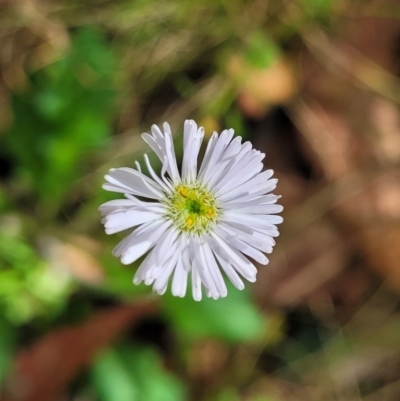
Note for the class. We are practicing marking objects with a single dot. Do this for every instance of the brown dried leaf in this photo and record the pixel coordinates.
(259, 89)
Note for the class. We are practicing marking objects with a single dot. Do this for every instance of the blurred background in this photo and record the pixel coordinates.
(312, 83)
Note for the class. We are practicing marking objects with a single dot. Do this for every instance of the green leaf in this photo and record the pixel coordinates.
(129, 374)
(234, 318)
(261, 51)
(158, 385)
(112, 380)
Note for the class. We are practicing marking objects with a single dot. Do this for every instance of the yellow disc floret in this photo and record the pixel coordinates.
(192, 208)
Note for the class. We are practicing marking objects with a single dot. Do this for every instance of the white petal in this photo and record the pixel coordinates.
(226, 162)
(192, 139)
(170, 152)
(157, 135)
(233, 149)
(193, 247)
(219, 147)
(162, 290)
(114, 205)
(140, 241)
(249, 191)
(141, 271)
(261, 209)
(203, 269)
(257, 240)
(165, 247)
(246, 166)
(267, 231)
(209, 150)
(167, 188)
(145, 182)
(241, 264)
(255, 192)
(185, 252)
(243, 247)
(154, 145)
(179, 282)
(214, 270)
(162, 145)
(168, 267)
(196, 284)
(228, 269)
(251, 219)
(245, 170)
(159, 256)
(260, 200)
(127, 180)
(119, 221)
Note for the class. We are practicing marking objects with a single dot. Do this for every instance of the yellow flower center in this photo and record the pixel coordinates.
(192, 208)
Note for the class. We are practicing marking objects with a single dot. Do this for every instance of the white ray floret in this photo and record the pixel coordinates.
(202, 223)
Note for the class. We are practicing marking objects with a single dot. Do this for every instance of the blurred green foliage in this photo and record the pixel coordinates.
(134, 374)
(65, 114)
(261, 51)
(29, 287)
(234, 318)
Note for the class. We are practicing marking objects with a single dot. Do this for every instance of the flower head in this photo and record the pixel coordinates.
(200, 221)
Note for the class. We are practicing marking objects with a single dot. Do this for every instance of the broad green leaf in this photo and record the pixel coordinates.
(131, 374)
(234, 318)
(112, 380)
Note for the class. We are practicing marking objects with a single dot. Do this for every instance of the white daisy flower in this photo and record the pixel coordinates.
(200, 221)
